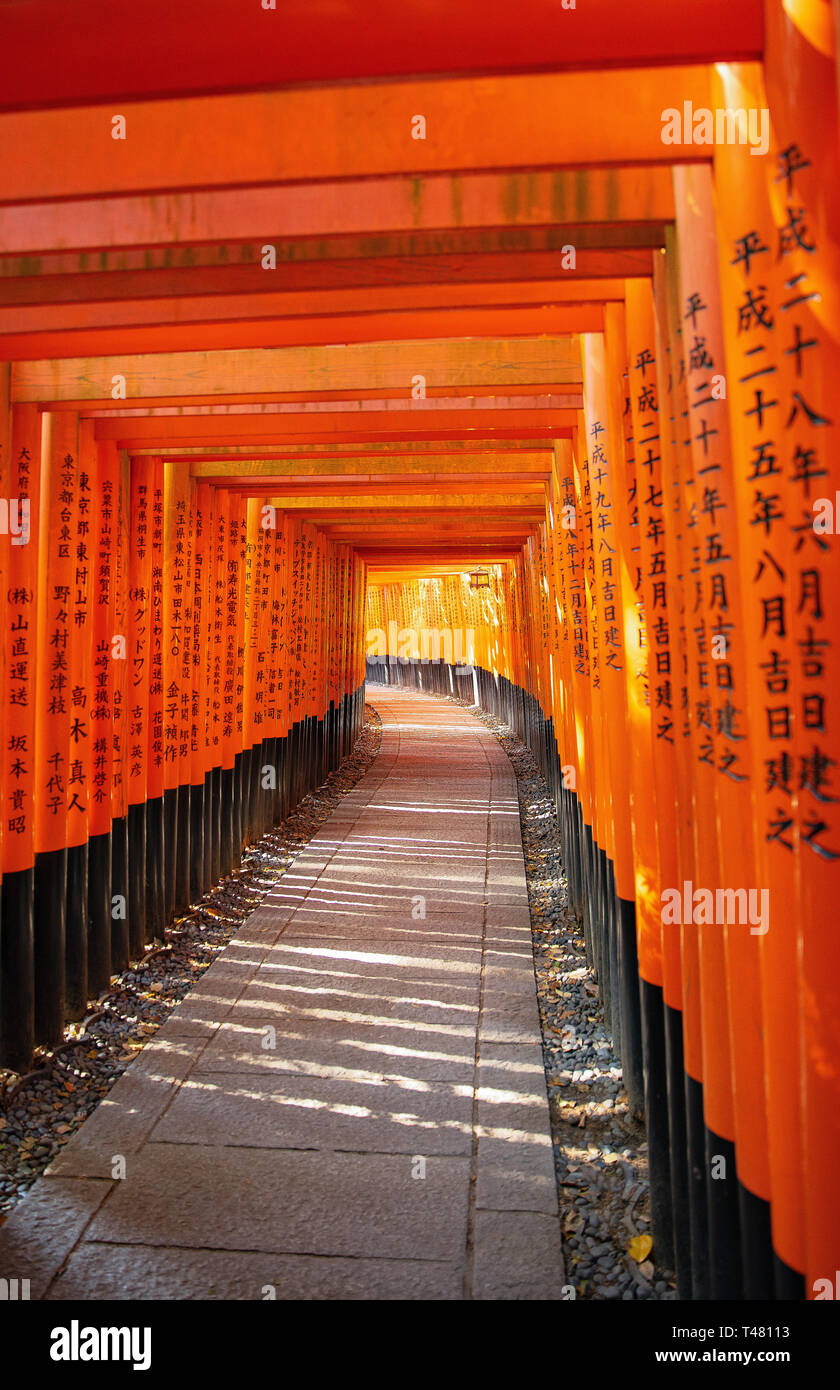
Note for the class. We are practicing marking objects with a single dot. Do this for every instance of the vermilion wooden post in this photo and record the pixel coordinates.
(120, 865)
(651, 723)
(173, 636)
(250, 750)
(638, 780)
(103, 551)
(56, 541)
(605, 442)
(595, 912)
(334, 600)
(239, 528)
(296, 564)
(559, 668)
(11, 524)
(155, 735)
(283, 592)
(801, 82)
(229, 573)
(673, 769)
(582, 755)
(22, 481)
(357, 637)
(309, 648)
(212, 617)
(274, 557)
(140, 559)
(80, 728)
(698, 852)
(221, 779)
(262, 722)
(768, 509)
(200, 879)
(280, 628)
(316, 629)
(724, 667)
(331, 620)
(184, 545)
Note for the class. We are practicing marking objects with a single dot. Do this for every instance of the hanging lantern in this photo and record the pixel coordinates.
(480, 578)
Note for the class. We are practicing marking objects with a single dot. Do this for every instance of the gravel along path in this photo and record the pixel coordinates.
(600, 1154)
(39, 1112)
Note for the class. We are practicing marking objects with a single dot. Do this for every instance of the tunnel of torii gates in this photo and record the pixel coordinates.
(294, 341)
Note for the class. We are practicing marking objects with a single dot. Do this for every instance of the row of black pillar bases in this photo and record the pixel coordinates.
(707, 1226)
(84, 913)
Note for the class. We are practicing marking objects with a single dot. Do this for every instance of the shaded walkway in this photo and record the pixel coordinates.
(351, 1103)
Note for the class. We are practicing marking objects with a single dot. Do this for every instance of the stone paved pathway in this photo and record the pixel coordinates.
(351, 1103)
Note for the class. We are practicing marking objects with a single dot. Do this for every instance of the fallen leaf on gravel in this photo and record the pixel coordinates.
(640, 1247)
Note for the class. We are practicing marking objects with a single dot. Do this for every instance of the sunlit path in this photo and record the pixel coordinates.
(352, 1102)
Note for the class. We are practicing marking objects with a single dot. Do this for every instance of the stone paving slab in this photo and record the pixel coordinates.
(150, 1273)
(347, 1114)
(197, 1196)
(518, 1255)
(329, 1047)
(351, 1103)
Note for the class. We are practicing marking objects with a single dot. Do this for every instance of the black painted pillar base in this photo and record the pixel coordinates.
(725, 1269)
(678, 1147)
(50, 907)
(138, 899)
(238, 826)
(631, 1022)
(17, 969)
(697, 1196)
(170, 851)
(119, 891)
(99, 910)
(611, 958)
(196, 856)
(182, 863)
(246, 768)
(216, 822)
(656, 1121)
(155, 861)
(789, 1283)
(227, 822)
(76, 933)
(756, 1245)
(278, 812)
(209, 810)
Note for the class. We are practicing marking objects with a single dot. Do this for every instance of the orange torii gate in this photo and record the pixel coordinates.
(246, 380)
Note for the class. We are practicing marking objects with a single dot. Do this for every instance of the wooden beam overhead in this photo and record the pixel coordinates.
(279, 212)
(539, 121)
(319, 304)
(421, 499)
(489, 362)
(549, 320)
(456, 241)
(117, 51)
(172, 433)
(342, 471)
(250, 279)
(472, 451)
